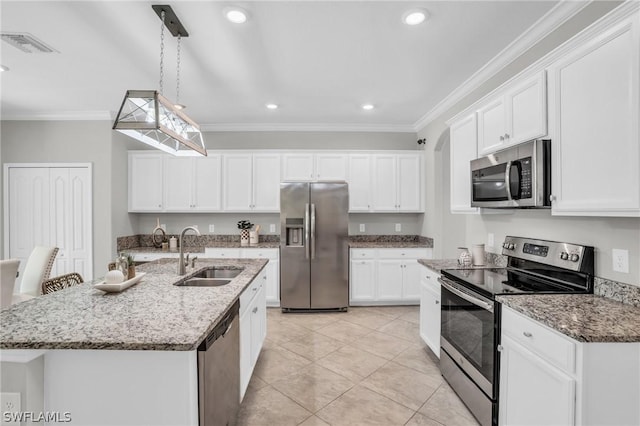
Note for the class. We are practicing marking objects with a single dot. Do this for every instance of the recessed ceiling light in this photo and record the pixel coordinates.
(272, 106)
(236, 15)
(367, 107)
(3, 68)
(414, 16)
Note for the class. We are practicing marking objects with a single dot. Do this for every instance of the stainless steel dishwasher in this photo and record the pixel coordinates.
(219, 372)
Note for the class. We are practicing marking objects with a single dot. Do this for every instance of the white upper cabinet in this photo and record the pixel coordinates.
(359, 182)
(192, 184)
(314, 166)
(594, 116)
(515, 115)
(396, 183)
(251, 182)
(145, 182)
(463, 149)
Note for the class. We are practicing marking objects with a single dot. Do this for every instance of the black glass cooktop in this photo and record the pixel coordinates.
(492, 282)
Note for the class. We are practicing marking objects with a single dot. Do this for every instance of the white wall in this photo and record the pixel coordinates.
(450, 231)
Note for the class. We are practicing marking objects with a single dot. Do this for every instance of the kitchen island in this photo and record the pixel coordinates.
(129, 357)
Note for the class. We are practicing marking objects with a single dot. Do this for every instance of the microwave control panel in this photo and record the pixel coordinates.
(525, 178)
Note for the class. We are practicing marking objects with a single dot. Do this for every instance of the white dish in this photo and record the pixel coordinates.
(114, 288)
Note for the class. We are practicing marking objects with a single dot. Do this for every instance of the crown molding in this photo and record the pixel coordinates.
(59, 116)
(306, 127)
(549, 22)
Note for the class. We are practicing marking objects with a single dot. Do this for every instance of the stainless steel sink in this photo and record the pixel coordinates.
(204, 282)
(212, 277)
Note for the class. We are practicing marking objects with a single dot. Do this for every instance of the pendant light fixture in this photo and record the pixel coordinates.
(146, 115)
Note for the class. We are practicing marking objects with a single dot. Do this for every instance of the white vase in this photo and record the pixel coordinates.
(464, 257)
(244, 237)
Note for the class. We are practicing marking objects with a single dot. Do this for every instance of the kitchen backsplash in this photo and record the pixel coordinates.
(621, 292)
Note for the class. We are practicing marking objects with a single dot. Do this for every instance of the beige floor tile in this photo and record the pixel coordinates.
(382, 344)
(353, 363)
(445, 407)
(421, 420)
(420, 358)
(275, 314)
(313, 346)
(411, 316)
(313, 321)
(361, 406)
(403, 329)
(344, 331)
(269, 407)
(277, 362)
(393, 311)
(257, 383)
(284, 331)
(313, 387)
(366, 318)
(314, 421)
(401, 384)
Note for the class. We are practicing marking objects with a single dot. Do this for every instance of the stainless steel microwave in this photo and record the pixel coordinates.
(516, 177)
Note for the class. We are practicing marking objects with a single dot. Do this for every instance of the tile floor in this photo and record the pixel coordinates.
(364, 367)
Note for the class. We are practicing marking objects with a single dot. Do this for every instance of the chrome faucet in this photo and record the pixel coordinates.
(181, 263)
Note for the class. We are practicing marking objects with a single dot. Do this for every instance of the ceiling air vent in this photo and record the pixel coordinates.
(26, 42)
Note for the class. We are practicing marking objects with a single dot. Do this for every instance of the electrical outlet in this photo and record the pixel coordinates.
(212, 228)
(10, 402)
(620, 260)
(490, 240)
(398, 227)
(272, 227)
(163, 226)
(362, 227)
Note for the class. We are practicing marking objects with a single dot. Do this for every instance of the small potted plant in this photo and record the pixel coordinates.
(131, 266)
(244, 226)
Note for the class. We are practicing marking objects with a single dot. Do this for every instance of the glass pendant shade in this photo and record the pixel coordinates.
(149, 117)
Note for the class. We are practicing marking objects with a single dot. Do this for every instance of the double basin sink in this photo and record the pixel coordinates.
(211, 277)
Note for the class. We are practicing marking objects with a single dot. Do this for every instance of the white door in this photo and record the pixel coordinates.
(266, 182)
(50, 206)
(527, 110)
(409, 194)
(411, 280)
(207, 184)
(491, 126)
(385, 182)
(389, 280)
(359, 183)
(362, 284)
(272, 286)
(331, 166)
(430, 315)
(145, 182)
(237, 182)
(178, 177)
(297, 167)
(463, 150)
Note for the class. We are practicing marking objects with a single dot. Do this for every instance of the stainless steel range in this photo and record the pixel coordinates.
(470, 316)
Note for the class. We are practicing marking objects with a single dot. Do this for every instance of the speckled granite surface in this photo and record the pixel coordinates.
(585, 318)
(151, 315)
(193, 243)
(440, 264)
(620, 292)
(390, 241)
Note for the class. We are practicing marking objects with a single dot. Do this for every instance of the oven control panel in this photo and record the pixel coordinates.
(565, 255)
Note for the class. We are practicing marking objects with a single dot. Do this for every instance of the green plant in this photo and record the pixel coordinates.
(129, 257)
(245, 224)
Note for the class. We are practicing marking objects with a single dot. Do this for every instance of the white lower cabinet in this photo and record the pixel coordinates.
(547, 378)
(430, 309)
(253, 328)
(385, 276)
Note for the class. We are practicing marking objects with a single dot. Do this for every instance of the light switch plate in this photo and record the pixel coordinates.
(620, 260)
(212, 228)
(272, 227)
(362, 227)
(490, 240)
(398, 227)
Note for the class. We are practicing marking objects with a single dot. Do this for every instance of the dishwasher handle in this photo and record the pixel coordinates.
(222, 328)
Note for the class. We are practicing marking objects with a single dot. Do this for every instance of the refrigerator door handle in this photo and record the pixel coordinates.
(306, 230)
(313, 231)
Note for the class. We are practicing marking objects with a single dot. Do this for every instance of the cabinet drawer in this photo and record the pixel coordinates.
(256, 253)
(249, 293)
(212, 252)
(430, 279)
(409, 253)
(549, 344)
(363, 254)
(148, 257)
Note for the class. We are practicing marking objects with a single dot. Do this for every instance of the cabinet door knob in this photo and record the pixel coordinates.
(255, 310)
(506, 136)
(500, 348)
(527, 334)
(437, 302)
(501, 138)
(552, 197)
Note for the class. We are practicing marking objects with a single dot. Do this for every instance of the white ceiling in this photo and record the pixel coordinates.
(319, 60)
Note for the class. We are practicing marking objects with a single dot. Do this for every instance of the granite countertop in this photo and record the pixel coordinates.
(438, 265)
(583, 317)
(151, 315)
(200, 249)
(388, 244)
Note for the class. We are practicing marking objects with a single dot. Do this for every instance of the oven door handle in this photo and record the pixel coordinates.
(469, 298)
(507, 180)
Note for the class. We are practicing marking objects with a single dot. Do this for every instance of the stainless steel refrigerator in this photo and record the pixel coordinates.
(314, 224)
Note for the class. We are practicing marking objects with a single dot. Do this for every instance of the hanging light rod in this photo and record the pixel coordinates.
(171, 20)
